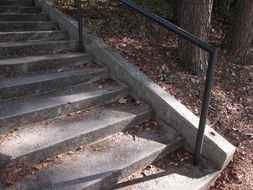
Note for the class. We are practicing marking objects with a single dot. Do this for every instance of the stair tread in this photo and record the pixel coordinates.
(19, 9)
(27, 43)
(48, 76)
(43, 135)
(17, 49)
(27, 25)
(173, 172)
(16, 67)
(30, 32)
(25, 22)
(39, 14)
(27, 59)
(22, 36)
(61, 97)
(104, 163)
(15, 6)
(17, 2)
(22, 14)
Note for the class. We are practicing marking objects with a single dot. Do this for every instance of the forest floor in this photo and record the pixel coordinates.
(154, 51)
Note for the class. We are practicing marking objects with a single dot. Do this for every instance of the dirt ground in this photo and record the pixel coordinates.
(154, 51)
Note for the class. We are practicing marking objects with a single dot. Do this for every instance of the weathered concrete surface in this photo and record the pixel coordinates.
(64, 134)
(174, 178)
(55, 111)
(8, 26)
(24, 65)
(216, 148)
(105, 163)
(15, 114)
(23, 17)
(33, 35)
(16, 2)
(36, 47)
(33, 84)
(19, 9)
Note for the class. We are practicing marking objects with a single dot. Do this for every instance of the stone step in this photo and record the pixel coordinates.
(26, 26)
(42, 83)
(47, 139)
(103, 164)
(16, 3)
(33, 35)
(36, 47)
(24, 65)
(29, 110)
(23, 17)
(173, 172)
(19, 9)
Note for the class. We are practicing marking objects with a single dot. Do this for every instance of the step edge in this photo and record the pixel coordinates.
(147, 114)
(35, 43)
(146, 160)
(58, 75)
(28, 32)
(111, 89)
(51, 57)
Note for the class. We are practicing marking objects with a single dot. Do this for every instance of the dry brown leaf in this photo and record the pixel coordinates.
(80, 148)
(59, 156)
(97, 148)
(70, 152)
(122, 101)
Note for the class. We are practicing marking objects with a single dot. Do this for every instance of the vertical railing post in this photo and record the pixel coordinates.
(205, 106)
(80, 24)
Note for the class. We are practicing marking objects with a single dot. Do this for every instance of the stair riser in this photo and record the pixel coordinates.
(49, 85)
(6, 9)
(81, 140)
(13, 122)
(16, 3)
(29, 36)
(33, 49)
(119, 175)
(19, 69)
(14, 26)
(20, 17)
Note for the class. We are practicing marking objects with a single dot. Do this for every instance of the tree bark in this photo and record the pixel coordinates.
(195, 17)
(222, 6)
(239, 38)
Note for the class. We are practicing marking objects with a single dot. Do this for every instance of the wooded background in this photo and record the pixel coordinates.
(195, 16)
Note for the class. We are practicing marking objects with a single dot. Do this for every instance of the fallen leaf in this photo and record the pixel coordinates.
(70, 152)
(122, 101)
(138, 102)
(60, 70)
(97, 148)
(80, 148)
(59, 156)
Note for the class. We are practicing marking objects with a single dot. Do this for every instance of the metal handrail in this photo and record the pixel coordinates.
(213, 55)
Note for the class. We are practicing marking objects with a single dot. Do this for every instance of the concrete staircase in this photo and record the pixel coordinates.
(64, 123)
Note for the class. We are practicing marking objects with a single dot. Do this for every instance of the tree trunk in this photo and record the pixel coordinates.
(195, 17)
(239, 38)
(222, 6)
